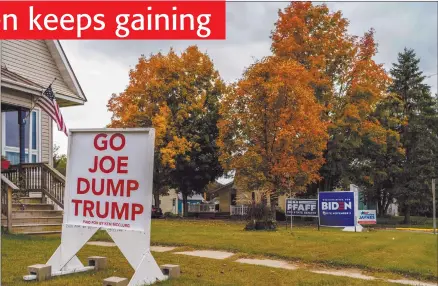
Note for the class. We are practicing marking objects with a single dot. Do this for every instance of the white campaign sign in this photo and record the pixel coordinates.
(367, 217)
(110, 182)
(109, 186)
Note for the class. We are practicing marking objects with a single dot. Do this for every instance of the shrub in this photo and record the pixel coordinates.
(259, 217)
(280, 215)
(170, 215)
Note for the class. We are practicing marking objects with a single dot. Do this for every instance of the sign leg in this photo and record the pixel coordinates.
(147, 272)
(135, 246)
(72, 240)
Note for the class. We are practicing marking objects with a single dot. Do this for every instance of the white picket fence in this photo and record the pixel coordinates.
(238, 210)
(202, 208)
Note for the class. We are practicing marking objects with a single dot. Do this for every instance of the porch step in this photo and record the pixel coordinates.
(33, 207)
(35, 220)
(42, 232)
(31, 200)
(35, 213)
(36, 228)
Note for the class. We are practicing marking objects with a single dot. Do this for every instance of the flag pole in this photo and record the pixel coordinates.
(35, 102)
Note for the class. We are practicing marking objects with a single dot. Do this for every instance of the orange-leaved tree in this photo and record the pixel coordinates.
(271, 132)
(345, 80)
(178, 95)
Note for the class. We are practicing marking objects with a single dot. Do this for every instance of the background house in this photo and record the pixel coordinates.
(191, 200)
(168, 203)
(173, 202)
(27, 68)
(230, 197)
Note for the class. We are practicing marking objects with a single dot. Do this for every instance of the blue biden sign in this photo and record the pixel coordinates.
(337, 209)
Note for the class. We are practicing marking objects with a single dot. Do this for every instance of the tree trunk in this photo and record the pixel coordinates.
(274, 200)
(380, 209)
(388, 202)
(185, 206)
(380, 204)
(407, 219)
(326, 183)
(157, 199)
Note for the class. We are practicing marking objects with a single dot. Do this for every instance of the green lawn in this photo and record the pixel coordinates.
(383, 222)
(20, 252)
(409, 253)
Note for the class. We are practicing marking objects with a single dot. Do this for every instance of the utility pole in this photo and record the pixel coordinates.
(434, 206)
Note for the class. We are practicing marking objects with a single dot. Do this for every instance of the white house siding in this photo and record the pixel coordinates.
(16, 98)
(46, 138)
(33, 60)
(166, 202)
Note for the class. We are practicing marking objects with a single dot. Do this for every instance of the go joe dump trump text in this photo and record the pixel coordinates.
(33, 20)
(108, 185)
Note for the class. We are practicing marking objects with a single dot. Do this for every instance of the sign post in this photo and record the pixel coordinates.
(434, 206)
(317, 191)
(109, 186)
(290, 196)
(301, 207)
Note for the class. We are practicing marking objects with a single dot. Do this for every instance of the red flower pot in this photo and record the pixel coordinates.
(5, 164)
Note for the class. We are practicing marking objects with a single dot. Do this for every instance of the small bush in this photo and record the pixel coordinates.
(260, 217)
(170, 215)
(280, 215)
(261, 225)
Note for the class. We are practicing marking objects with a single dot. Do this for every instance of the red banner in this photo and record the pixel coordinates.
(104, 20)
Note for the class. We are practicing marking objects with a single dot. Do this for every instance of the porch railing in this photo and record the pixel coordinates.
(238, 210)
(7, 196)
(201, 208)
(38, 177)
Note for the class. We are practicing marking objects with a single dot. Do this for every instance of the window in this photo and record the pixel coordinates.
(233, 199)
(11, 139)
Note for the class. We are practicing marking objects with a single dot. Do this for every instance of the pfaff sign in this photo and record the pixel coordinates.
(297, 207)
(108, 186)
(337, 209)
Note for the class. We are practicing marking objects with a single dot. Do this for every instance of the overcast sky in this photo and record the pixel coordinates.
(102, 66)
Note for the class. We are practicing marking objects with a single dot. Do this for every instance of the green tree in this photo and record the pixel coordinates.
(178, 95)
(345, 80)
(200, 91)
(59, 160)
(378, 164)
(271, 132)
(418, 131)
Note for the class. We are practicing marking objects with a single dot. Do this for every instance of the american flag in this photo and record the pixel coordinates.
(48, 103)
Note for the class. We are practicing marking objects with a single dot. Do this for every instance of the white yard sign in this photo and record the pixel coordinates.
(109, 186)
(110, 182)
(367, 217)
